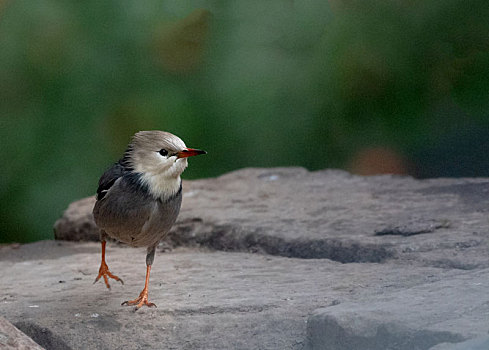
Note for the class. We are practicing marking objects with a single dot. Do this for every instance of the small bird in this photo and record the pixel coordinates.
(139, 198)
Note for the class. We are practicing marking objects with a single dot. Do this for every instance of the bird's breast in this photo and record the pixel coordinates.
(136, 220)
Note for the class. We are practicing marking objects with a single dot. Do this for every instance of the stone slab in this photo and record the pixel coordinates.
(11, 338)
(449, 310)
(375, 261)
(206, 299)
(326, 214)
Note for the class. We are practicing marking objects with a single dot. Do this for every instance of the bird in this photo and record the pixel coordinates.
(139, 197)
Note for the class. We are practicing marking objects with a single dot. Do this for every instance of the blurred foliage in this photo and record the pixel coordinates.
(350, 84)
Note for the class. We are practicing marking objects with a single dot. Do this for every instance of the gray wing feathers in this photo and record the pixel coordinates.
(108, 179)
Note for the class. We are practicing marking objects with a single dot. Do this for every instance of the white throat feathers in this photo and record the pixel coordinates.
(164, 184)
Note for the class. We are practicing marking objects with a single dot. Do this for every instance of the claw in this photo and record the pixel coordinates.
(141, 300)
(106, 274)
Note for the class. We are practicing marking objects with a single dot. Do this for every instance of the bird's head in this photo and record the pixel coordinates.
(158, 153)
(160, 158)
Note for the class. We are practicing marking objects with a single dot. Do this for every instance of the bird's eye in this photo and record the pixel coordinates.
(163, 152)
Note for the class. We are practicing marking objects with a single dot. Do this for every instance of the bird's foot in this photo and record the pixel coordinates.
(106, 274)
(141, 300)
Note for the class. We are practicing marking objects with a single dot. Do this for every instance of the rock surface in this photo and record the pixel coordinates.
(346, 262)
(415, 318)
(77, 223)
(11, 338)
(480, 343)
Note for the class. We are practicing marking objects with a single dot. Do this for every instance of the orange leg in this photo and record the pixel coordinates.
(104, 270)
(142, 299)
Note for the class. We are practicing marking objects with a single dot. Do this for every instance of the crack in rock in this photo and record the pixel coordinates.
(196, 232)
(414, 227)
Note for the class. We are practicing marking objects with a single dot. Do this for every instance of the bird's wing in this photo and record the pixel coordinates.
(108, 179)
(124, 208)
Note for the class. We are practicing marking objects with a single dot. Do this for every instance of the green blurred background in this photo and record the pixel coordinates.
(368, 86)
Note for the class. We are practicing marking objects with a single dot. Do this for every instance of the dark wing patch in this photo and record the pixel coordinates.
(109, 178)
(132, 183)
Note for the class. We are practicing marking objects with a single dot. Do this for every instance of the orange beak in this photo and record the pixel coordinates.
(189, 152)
